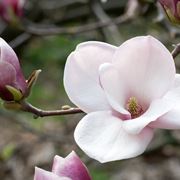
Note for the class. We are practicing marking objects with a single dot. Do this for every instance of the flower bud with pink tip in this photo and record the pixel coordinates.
(11, 9)
(172, 9)
(68, 168)
(13, 86)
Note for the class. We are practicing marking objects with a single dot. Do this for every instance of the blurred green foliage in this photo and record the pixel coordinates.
(7, 151)
(100, 175)
(48, 54)
(46, 51)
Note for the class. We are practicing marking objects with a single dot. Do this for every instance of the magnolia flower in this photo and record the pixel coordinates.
(172, 9)
(10, 9)
(12, 81)
(69, 168)
(126, 91)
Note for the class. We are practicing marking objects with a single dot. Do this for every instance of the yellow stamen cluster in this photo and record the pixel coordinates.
(133, 107)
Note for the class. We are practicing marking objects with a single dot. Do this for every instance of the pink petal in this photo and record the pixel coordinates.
(169, 4)
(7, 77)
(8, 55)
(11, 8)
(41, 174)
(115, 87)
(71, 167)
(148, 67)
(7, 74)
(81, 78)
(157, 108)
(101, 136)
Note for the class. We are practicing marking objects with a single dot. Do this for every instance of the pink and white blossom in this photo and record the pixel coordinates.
(126, 91)
(68, 168)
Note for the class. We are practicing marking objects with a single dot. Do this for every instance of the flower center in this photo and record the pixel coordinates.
(134, 108)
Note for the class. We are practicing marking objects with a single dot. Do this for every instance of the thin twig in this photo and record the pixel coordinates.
(42, 113)
(3, 26)
(20, 39)
(51, 5)
(176, 50)
(110, 32)
(53, 30)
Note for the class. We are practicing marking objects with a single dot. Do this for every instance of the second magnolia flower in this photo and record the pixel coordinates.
(68, 168)
(126, 91)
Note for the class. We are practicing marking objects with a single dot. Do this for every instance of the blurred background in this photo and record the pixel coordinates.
(43, 35)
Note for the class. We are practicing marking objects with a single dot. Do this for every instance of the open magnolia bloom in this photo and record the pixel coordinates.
(126, 91)
(69, 168)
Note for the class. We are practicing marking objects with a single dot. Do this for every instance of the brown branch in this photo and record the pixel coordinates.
(176, 50)
(25, 106)
(110, 32)
(35, 29)
(131, 12)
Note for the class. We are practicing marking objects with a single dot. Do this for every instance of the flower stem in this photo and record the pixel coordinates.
(27, 107)
(176, 50)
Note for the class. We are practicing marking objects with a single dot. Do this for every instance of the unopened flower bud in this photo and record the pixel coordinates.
(13, 86)
(172, 9)
(10, 10)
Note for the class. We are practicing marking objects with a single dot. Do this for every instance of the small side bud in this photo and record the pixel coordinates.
(32, 80)
(66, 107)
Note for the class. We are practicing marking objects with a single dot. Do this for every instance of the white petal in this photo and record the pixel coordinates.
(157, 108)
(8, 55)
(81, 78)
(174, 96)
(170, 120)
(114, 86)
(41, 174)
(177, 81)
(101, 136)
(148, 67)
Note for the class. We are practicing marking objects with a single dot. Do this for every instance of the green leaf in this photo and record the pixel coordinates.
(17, 95)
